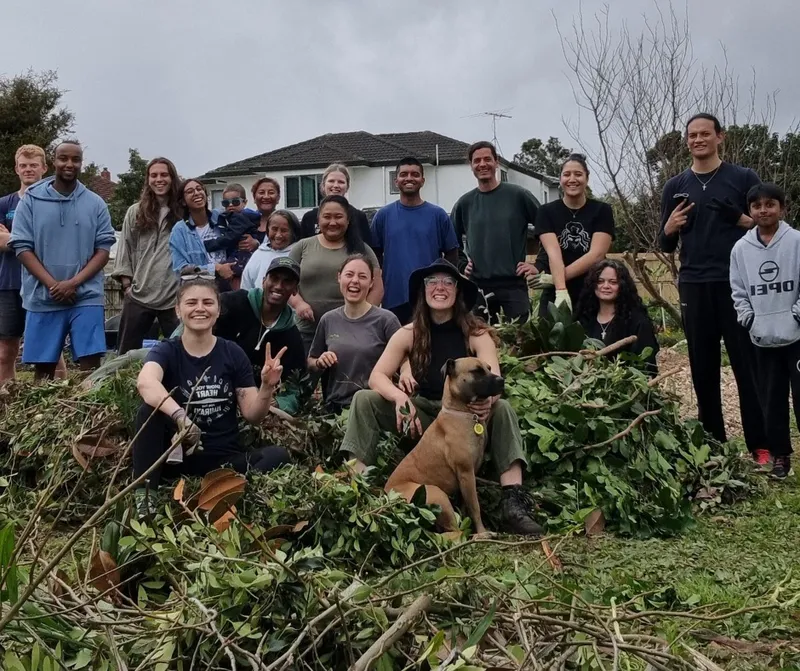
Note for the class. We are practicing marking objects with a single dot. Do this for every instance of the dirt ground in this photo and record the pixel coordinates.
(681, 384)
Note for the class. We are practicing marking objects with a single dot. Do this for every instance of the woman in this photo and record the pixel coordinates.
(610, 309)
(211, 377)
(186, 242)
(283, 230)
(575, 232)
(266, 196)
(320, 258)
(143, 264)
(336, 182)
(350, 339)
(442, 328)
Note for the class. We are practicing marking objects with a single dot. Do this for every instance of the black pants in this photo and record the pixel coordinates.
(708, 315)
(156, 437)
(778, 371)
(509, 295)
(137, 320)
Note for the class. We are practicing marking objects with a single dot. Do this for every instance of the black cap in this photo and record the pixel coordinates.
(467, 288)
(285, 263)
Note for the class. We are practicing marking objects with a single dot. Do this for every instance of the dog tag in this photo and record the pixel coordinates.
(478, 429)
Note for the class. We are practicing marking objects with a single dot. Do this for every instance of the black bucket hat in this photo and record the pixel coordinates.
(467, 288)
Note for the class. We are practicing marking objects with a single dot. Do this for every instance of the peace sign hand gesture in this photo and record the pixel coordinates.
(271, 372)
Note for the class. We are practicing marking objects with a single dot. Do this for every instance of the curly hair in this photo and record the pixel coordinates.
(148, 214)
(628, 301)
(471, 325)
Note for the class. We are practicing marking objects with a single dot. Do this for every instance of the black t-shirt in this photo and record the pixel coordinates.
(574, 230)
(706, 240)
(309, 224)
(639, 325)
(213, 404)
(447, 342)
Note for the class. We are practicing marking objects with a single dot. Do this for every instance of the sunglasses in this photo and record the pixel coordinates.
(208, 277)
(227, 202)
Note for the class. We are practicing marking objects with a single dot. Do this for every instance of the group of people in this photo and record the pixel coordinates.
(249, 297)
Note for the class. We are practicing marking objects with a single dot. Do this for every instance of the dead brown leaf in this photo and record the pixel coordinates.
(83, 461)
(103, 572)
(552, 558)
(595, 523)
(221, 485)
(224, 520)
(177, 493)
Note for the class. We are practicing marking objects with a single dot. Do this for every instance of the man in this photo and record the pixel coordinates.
(704, 208)
(494, 219)
(62, 236)
(30, 165)
(143, 264)
(410, 234)
(252, 318)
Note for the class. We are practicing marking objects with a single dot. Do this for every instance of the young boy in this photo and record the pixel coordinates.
(765, 283)
(62, 235)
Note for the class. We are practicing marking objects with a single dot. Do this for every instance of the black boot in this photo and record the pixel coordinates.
(516, 511)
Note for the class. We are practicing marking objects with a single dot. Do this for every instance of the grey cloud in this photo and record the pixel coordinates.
(207, 83)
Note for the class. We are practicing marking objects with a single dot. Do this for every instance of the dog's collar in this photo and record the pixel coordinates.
(477, 427)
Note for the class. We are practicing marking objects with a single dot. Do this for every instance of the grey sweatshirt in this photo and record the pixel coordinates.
(765, 284)
(144, 256)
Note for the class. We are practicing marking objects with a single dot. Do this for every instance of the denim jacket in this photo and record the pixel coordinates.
(187, 248)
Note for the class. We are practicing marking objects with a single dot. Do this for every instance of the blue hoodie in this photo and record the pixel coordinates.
(64, 232)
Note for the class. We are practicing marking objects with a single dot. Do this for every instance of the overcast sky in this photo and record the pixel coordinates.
(209, 83)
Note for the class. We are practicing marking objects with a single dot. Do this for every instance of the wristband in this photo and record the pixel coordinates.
(180, 413)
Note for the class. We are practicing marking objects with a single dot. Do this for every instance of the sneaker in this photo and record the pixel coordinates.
(782, 468)
(763, 459)
(516, 509)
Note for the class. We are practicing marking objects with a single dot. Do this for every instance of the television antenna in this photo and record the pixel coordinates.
(495, 115)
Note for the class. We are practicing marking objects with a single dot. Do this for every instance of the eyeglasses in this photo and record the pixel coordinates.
(208, 277)
(447, 282)
(227, 202)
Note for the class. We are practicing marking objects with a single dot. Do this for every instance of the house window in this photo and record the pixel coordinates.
(546, 195)
(216, 199)
(302, 191)
(392, 186)
(504, 175)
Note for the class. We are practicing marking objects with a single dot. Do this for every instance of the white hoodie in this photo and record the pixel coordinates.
(765, 285)
(256, 268)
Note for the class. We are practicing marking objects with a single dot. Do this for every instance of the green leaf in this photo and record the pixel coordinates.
(83, 659)
(483, 626)
(12, 662)
(571, 414)
(433, 647)
(8, 566)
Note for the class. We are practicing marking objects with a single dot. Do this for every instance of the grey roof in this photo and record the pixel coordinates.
(359, 148)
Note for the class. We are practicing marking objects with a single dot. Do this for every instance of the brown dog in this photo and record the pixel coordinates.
(451, 450)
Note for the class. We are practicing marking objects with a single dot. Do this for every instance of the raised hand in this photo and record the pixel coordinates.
(728, 211)
(678, 218)
(272, 370)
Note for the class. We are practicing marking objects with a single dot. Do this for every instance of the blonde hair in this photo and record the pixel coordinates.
(31, 151)
(335, 167)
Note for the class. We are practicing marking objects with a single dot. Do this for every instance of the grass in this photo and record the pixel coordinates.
(735, 557)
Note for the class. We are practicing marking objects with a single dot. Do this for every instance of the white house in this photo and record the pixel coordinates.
(371, 159)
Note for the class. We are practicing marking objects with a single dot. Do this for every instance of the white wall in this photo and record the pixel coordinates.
(370, 187)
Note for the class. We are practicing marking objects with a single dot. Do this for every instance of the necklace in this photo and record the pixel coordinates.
(708, 181)
(574, 212)
(604, 328)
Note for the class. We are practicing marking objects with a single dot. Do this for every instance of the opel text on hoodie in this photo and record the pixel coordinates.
(64, 232)
(765, 284)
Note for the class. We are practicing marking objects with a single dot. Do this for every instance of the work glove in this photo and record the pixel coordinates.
(728, 211)
(540, 281)
(192, 434)
(562, 298)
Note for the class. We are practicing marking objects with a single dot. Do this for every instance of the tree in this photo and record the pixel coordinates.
(129, 188)
(638, 89)
(543, 157)
(31, 112)
(88, 173)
